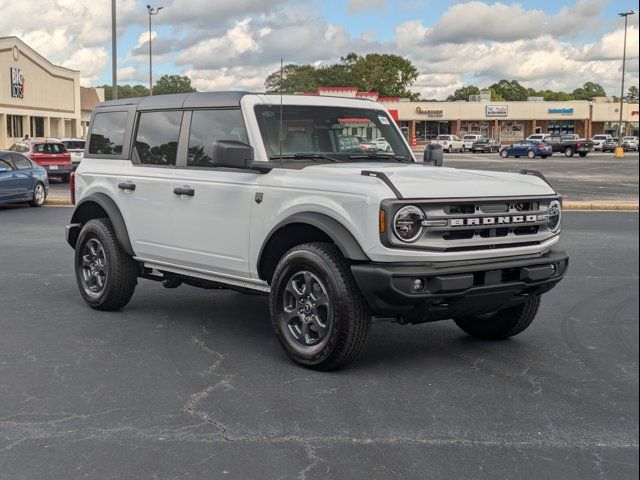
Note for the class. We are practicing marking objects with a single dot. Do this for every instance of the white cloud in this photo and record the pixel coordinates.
(363, 6)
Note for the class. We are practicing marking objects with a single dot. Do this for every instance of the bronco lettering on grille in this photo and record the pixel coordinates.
(502, 220)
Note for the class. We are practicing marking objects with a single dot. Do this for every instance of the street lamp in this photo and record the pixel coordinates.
(624, 60)
(152, 12)
(114, 53)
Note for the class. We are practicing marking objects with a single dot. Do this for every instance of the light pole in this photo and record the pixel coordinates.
(624, 60)
(152, 12)
(114, 53)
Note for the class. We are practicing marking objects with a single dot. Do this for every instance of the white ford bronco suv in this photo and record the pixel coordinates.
(267, 193)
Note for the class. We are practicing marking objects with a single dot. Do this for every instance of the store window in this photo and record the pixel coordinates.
(14, 126)
(37, 126)
(511, 131)
(559, 127)
(475, 127)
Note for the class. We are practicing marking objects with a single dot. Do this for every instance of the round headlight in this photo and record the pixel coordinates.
(554, 214)
(407, 224)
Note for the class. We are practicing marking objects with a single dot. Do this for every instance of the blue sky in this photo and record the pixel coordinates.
(235, 44)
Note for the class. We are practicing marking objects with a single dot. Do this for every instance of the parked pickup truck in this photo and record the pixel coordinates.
(569, 144)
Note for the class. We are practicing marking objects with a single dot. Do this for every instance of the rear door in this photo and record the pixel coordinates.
(7, 179)
(212, 222)
(145, 187)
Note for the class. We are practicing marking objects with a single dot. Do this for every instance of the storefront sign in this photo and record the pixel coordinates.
(17, 83)
(430, 113)
(497, 110)
(561, 111)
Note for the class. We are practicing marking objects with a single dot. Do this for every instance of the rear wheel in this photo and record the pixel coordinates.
(65, 178)
(317, 311)
(502, 324)
(105, 273)
(583, 154)
(39, 195)
(531, 154)
(568, 152)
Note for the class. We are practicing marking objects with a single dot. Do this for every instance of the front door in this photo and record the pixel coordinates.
(212, 219)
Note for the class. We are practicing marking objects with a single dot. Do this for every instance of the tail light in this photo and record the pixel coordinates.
(72, 187)
(446, 143)
(541, 147)
(578, 145)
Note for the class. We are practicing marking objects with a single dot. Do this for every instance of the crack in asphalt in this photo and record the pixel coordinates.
(198, 397)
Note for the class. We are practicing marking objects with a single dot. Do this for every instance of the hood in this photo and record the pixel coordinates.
(419, 181)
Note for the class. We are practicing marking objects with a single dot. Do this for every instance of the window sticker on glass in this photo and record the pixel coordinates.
(383, 120)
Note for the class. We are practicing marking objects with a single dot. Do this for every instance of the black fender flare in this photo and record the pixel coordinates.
(336, 231)
(113, 212)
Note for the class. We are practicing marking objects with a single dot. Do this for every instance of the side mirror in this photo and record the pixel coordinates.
(232, 154)
(3, 169)
(433, 155)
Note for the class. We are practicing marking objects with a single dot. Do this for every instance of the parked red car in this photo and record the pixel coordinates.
(51, 155)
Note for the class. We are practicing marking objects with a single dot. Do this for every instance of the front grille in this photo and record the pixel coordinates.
(465, 225)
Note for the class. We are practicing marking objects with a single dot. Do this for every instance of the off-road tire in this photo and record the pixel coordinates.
(39, 195)
(350, 318)
(121, 277)
(504, 324)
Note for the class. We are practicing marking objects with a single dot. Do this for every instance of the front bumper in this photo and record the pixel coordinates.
(456, 289)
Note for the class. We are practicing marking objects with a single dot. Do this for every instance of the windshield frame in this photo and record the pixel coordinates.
(289, 102)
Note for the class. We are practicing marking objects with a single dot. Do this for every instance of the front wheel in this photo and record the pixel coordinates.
(39, 195)
(502, 324)
(504, 154)
(317, 311)
(105, 273)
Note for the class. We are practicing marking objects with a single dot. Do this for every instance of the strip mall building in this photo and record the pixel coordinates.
(38, 98)
(504, 121)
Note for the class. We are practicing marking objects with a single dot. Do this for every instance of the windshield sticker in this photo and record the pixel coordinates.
(383, 120)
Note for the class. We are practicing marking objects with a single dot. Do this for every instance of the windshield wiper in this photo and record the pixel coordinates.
(304, 156)
(386, 156)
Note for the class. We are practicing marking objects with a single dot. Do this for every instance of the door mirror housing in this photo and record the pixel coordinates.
(433, 155)
(232, 154)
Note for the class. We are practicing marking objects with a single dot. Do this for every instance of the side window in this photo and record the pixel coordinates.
(40, 148)
(21, 163)
(5, 164)
(157, 137)
(207, 126)
(107, 133)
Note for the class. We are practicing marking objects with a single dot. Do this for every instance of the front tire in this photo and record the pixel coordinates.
(504, 154)
(319, 316)
(503, 324)
(39, 195)
(105, 273)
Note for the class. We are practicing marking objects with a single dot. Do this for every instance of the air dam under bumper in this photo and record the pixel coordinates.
(456, 290)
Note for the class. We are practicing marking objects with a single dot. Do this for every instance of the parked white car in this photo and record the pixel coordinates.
(75, 146)
(382, 145)
(450, 143)
(469, 140)
(538, 136)
(212, 190)
(632, 142)
(598, 140)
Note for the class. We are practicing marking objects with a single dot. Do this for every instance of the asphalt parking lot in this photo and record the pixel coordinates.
(189, 383)
(596, 178)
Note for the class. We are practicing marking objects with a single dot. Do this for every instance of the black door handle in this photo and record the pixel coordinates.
(127, 186)
(184, 191)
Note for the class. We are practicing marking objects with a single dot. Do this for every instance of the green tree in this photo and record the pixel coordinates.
(292, 79)
(168, 84)
(632, 94)
(588, 91)
(463, 93)
(125, 91)
(510, 90)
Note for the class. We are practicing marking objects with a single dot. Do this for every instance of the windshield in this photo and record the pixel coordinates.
(341, 133)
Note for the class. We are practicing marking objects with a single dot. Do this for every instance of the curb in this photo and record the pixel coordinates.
(58, 201)
(621, 207)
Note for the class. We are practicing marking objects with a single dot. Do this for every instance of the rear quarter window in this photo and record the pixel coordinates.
(107, 133)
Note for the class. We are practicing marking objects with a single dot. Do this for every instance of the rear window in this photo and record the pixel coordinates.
(74, 145)
(49, 148)
(107, 133)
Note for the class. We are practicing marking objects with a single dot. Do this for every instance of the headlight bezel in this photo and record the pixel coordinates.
(415, 210)
(554, 204)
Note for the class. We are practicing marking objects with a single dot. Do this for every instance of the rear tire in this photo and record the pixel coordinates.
(583, 154)
(317, 311)
(65, 178)
(105, 273)
(39, 195)
(531, 155)
(568, 152)
(504, 324)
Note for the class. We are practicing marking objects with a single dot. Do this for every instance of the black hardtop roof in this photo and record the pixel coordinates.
(181, 100)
